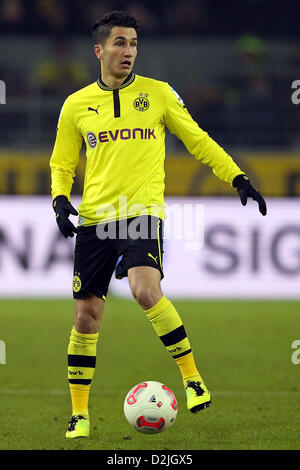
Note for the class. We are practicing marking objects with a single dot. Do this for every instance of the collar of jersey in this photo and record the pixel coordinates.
(127, 82)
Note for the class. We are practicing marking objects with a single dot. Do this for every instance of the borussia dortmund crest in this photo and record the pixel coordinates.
(76, 283)
(141, 103)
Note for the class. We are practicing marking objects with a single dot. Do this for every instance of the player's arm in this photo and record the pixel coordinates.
(63, 162)
(204, 148)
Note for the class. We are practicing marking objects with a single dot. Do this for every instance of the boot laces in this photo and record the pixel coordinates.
(196, 386)
(74, 421)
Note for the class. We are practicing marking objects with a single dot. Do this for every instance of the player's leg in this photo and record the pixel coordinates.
(142, 263)
(82, 352)
(82, 359)
(88, 313)
(144, 282)
(94, 263)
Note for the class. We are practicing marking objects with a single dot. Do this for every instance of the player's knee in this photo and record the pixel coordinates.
(86, 314)
(145, 295)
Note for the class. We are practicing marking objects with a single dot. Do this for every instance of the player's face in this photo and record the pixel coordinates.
(119, 52)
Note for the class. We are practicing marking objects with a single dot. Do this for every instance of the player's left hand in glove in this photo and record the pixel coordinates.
(63, 208)
(245, 190)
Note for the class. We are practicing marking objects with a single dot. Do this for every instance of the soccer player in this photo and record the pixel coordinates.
(122, 118)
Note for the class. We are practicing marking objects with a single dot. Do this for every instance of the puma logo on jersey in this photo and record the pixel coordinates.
(151, 256)
(93, 109)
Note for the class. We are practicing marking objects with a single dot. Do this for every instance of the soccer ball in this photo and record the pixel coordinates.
(150, 407)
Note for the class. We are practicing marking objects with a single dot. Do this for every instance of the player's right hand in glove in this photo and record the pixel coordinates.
(63, 208)
(245, 190)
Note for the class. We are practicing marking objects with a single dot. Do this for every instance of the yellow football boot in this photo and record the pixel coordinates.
(78, 427)
(197, 395)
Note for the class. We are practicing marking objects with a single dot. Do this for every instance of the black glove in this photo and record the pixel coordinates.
(245, 190)
(63, 208)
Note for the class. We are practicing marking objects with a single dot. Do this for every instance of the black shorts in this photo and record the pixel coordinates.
(101, 249)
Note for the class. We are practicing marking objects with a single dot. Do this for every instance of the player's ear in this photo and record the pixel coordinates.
(98, 50)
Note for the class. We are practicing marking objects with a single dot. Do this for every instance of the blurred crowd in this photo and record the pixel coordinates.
(249, 107)
(252, 107)
(188, 17)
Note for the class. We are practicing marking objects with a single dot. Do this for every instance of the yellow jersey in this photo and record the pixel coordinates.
(124, 133)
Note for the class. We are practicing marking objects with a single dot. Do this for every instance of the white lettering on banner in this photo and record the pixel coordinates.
(296, 94)
(2, 92)
(296, 354)
(241, 255)
(2, 352)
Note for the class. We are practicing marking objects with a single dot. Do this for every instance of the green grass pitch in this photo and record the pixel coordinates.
(243, 351)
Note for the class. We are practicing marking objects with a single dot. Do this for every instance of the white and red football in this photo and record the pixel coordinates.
(150, 407)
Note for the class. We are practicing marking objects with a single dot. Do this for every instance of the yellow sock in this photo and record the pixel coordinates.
(80, 399)
(81, 366)
(169, 327)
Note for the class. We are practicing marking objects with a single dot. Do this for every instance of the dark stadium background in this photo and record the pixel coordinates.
(232, 62)
(235, 64)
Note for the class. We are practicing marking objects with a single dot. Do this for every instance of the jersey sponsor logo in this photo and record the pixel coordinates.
(126, 134)
(141, 103)
(92, 139)
(94, 109)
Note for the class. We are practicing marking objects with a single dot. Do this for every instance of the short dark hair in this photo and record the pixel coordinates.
(104, 25)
